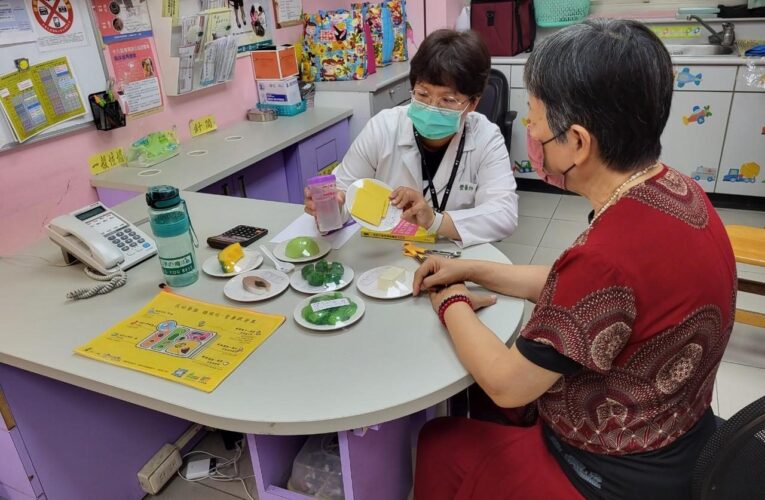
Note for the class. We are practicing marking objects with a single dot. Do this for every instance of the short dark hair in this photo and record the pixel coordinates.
(614, 78)
(456, 59)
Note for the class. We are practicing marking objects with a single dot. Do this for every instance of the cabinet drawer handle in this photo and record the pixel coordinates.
(225, 189)
(391, 92)
(244, 188)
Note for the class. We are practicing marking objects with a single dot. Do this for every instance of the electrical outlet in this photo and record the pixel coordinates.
(159, 469)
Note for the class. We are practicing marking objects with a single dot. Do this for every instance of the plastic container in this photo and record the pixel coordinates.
(324, 194)
(171, 225)
(316, 470)
(555, 13)
(284, 109)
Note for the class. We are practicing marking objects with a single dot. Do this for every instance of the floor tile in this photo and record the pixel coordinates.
(737, 386)
(715, 403)
(562, 233)
(178, 489)
(518, 254)
(742, 217)
(546, 256)
(531, 204)
(748, 271)
(746, 346)
(574, 208)
(529, 231)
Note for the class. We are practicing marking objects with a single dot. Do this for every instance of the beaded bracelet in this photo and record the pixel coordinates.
(453, 299)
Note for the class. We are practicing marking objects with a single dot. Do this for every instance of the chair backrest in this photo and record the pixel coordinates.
(493, 103)
(732, 463)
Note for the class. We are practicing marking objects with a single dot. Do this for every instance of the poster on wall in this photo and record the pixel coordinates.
(251, 24)
(122, 19)
(15, 26)
(134, 66)
(40, 97)
(58, 25)
(287, 13)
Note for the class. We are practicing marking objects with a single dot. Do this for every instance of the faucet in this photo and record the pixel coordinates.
(726, 37)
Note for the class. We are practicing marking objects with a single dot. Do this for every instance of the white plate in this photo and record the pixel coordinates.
(391, 218)
(367, 284)
(251, 260)
(234, 289)
(324, 249)
(326, 328)
(301, 285)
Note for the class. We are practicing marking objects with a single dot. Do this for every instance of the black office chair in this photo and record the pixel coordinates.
(732, 463)
(493, 104)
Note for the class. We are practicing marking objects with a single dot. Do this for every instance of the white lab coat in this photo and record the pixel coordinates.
(482, 203)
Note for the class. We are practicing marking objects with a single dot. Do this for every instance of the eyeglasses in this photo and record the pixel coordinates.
(444, 102)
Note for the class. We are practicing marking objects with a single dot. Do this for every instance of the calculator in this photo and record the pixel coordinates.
(244, 235)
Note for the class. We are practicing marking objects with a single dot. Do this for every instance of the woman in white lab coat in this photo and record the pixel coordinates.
(449, 166)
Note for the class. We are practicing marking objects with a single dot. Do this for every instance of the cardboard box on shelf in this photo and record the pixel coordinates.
(284, 91)
(274, 63)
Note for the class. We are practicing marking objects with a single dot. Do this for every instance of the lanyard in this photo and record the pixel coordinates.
(431, 187)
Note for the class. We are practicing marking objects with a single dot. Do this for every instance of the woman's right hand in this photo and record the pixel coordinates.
(309, 206)
(438, 272)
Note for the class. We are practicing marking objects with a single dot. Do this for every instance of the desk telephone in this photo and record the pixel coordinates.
(101, 239)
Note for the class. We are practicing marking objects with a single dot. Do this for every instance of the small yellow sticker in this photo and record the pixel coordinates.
(677, 31)
(202, 125)
(106, 160)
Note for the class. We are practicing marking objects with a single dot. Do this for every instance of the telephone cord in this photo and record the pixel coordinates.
(112, 281)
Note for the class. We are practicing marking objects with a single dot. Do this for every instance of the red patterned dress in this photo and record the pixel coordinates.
(637, 314)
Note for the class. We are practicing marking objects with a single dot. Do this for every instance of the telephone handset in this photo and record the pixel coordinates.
(101, 239)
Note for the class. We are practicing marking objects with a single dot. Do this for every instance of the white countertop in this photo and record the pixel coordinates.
(520, 59)
(384, 76)
(397, 360)
(223, 157)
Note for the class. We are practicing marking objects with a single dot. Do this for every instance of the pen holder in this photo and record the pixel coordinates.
(107, 116)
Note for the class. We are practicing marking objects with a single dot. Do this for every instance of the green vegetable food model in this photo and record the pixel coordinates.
(323, 273)
(300, 247)
(332, 315)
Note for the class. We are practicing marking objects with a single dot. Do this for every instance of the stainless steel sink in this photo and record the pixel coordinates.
(701, 50)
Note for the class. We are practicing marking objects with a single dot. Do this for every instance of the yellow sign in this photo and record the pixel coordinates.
(40, 97)
(677, 31)
(202, 125)
(180, 339)
(171, 8)
(106, 160)
(329, 168)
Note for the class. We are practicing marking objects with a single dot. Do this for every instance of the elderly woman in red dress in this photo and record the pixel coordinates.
(620, 354)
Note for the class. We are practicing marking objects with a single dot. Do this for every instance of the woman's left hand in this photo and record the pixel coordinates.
(479, 300)
(416, 209)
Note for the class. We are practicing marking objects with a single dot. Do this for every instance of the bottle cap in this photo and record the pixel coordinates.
(321, 179)
(162, 197)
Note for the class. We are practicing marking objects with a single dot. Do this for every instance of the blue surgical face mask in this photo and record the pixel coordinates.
(432, 122)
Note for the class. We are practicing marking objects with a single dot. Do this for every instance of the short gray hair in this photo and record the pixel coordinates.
(614, 78)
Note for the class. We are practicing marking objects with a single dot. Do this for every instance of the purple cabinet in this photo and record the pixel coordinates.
(89, 446)
(314, 154)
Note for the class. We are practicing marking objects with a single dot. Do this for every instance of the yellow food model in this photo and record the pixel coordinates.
(390, 278)
(229, 256)
(371, 203)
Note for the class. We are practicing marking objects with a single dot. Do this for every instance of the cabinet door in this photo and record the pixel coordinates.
(693, 138)
(12, 470)
(704, 78)
(265, 180)
(519, 101)
(743, 158)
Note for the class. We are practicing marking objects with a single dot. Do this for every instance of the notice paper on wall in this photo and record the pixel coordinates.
(135, 73)
(15, 26)
(58, 25)
(183, 340)
(40, 97)
(119, 21)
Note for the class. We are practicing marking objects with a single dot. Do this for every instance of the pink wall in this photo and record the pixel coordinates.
(442, 13)
(42, 180)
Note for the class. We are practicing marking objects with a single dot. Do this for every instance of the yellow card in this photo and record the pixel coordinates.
(371, 203)
(106, 160)
(202, 125)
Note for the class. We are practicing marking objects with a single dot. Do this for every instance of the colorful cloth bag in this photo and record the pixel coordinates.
(334, 46)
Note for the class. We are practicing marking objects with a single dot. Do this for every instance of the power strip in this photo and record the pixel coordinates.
(160, 468)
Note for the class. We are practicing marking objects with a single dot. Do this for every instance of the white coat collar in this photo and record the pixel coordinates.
(411, 155)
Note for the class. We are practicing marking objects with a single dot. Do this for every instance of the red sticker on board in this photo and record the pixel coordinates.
(55, 16)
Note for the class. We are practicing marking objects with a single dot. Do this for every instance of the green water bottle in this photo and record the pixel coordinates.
(174, 234)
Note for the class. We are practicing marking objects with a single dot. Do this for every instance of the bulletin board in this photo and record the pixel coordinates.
(85, 58)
